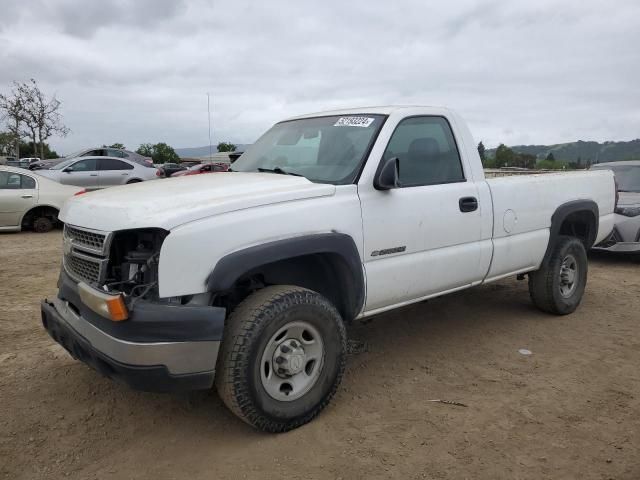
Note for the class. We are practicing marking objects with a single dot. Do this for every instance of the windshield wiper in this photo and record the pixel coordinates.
(279, 170)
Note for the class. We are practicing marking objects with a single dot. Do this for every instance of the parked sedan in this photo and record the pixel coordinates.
(170, 168)
(95, 152)
(626, 233)
(203, 168)
(99, 172)
(28, 200)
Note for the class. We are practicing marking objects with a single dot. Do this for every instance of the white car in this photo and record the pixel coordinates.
(99, 172)
(245, 279)
(30, 201)
(625, 237)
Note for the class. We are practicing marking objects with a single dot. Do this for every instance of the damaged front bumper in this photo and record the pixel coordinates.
(161, 347)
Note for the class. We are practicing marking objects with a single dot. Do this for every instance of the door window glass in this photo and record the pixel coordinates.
(16, 181)
(112, 164)
(427, 152)
(88, 165)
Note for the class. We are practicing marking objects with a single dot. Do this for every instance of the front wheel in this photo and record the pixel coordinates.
(558, 286)
(282, 357)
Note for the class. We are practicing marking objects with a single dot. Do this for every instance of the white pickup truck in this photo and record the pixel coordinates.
(245, 279)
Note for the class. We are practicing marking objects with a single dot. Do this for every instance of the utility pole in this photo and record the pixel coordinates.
(209, 115)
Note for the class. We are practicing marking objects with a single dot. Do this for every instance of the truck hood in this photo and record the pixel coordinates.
(167, 203)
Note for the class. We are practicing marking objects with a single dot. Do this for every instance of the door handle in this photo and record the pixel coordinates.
(124, 174)
(468, 204)
(93, 174)
(27, 195)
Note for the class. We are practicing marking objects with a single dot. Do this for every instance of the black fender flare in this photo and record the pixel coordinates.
(234, 265)
(562, 213)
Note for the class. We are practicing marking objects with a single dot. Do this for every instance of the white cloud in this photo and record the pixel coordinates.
(138, 71)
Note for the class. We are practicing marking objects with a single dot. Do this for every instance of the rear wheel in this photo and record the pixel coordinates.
(559, 285)
(282, 357)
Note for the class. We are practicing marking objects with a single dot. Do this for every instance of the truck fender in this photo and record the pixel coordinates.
(590, 213)
(351, 287)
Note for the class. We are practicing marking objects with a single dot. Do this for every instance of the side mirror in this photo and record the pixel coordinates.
(67, 170)
(387, 176)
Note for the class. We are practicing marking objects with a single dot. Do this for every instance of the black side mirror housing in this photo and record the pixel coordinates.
(387, 175)
(67, 170)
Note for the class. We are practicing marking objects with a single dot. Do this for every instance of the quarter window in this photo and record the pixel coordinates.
(427, 152)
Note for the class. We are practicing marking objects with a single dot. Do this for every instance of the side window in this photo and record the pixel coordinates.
(113, 164)
(28, 183)
(116, 153)
(88, 165)
(427, 152)
(10, 181)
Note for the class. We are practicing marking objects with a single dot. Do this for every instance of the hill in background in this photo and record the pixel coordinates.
(581, 152)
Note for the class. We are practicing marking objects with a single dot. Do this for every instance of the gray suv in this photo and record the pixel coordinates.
(625, 237)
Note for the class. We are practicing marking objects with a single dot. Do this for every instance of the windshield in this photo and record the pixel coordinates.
(64, 164)
(627, 176)
(322, 149)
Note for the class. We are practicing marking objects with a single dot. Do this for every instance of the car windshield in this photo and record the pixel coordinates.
(322, 149)
(627, 176)
(64, 164)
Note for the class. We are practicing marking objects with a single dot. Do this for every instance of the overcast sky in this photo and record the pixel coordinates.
(138, 71)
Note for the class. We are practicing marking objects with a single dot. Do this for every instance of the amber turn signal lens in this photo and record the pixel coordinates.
(117, 309)
(105, 304)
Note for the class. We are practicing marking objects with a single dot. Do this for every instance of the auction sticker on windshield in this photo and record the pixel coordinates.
(354, 122)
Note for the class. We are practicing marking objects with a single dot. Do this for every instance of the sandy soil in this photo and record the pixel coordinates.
(570, 410)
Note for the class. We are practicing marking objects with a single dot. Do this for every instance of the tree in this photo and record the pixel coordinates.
(6, 143)
(27, 149)
(550, 157)
(41, 114)
(504, 156)
(12, 111)
(160, 152)
(146, 149)
(115, 145)
(481, 152)
(226, 147)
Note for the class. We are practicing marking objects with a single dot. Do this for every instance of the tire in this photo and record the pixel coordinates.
(251, 381)
(557, 287)
(42, 224)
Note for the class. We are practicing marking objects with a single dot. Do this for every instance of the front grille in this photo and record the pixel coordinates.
(89, 240)
(86, 254)
(83, 268)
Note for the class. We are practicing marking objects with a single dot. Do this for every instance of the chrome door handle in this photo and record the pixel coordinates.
(124, 174)
(27, 195)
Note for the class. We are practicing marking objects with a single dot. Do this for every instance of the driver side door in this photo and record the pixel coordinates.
(83, 173)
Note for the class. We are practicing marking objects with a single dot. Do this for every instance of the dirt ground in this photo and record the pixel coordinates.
(569, 410)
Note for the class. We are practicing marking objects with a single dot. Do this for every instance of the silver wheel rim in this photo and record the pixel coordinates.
(292, 361)
(568, 276)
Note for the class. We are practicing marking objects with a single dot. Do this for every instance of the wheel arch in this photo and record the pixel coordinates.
(44, 207)
(328, 263)
(578, 218)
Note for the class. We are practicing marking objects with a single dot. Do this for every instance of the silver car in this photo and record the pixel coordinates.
(94, 152)
(99, 172)
(626, 233)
